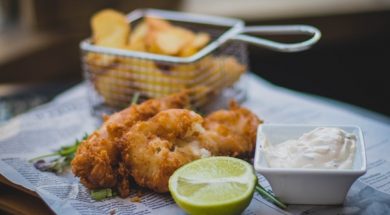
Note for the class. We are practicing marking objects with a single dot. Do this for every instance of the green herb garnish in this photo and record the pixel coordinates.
(65, 154)
(102, 194)
(135, 98)
(63, 158)
(269, 196)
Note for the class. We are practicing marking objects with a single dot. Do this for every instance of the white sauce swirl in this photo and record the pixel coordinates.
(321, 148)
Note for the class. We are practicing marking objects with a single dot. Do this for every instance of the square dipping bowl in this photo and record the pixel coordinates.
(303, 185)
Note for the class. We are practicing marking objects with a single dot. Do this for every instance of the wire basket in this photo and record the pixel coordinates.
(114, 76)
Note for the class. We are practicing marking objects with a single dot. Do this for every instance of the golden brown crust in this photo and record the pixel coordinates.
(97, 158)
(148, 142)
(154, 149)
(230, 132)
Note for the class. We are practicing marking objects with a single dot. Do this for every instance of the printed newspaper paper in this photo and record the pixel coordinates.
(68, 117)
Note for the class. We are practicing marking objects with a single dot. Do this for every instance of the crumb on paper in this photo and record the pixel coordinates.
(135, 199)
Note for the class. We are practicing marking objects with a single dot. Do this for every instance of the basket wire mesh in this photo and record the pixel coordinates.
(113, 79)
(114, 76)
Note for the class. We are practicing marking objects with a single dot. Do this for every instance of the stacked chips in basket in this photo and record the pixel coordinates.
(116, 77)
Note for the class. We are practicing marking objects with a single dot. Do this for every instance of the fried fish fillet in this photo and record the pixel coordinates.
(146, 143)
(97, 158)
(230, 132)
(154, 149)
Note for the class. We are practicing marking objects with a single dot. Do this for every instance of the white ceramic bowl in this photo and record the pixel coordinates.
(307, 186)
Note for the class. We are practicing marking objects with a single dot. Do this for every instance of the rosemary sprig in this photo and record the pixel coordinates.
(65, 154)
(269, 196)
(63, 158)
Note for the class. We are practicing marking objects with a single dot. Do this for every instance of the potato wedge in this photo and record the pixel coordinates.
(157, 24)
(231, 68)
(200, 40)
(172, 41)
(110, 28)
(137, 37)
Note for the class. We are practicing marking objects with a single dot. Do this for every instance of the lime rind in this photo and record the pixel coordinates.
(241, 185)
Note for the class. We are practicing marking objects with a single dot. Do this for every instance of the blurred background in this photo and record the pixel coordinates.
(39, 53)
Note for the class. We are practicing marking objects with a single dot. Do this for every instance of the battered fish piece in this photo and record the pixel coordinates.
(230, 132)
(154, 149)
(97, 160)
(146, 143)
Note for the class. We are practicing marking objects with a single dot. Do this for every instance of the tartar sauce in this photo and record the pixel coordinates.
(324, 148)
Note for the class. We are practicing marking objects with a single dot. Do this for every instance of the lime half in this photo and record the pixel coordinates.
(215, 185)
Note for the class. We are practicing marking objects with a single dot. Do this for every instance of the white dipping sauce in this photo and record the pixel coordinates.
(323, 148)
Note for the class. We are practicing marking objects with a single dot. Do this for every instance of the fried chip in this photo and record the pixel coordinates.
(172, 41)
(199, 41)
(110, 28)
(231, 68)
(154, 25)
(152, 34)
(137, 37)
(100, 61)
(157, 24)
(117, 77)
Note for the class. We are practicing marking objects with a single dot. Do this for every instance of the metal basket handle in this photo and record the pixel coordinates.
(280, 30)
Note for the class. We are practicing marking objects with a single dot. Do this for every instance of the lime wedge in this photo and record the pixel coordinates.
(215, 185)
